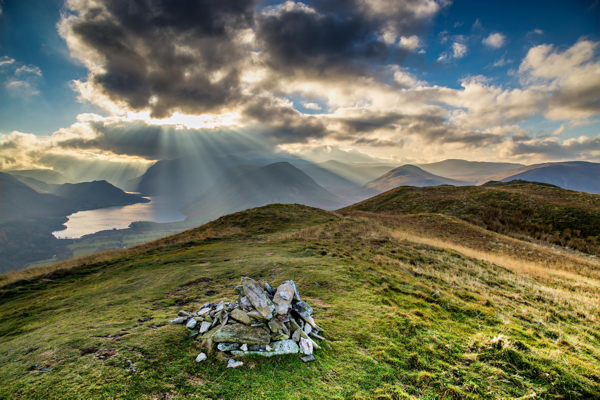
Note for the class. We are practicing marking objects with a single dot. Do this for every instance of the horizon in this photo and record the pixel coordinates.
(110, 88)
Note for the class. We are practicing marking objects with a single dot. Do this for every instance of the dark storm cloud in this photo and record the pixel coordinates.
(372, 122)
(300, 38)
(373, 142)
(166, 49)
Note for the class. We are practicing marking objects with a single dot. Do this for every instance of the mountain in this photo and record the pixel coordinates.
(96, 194)
(35, 184)
(335, 173)
(412, 307)
(574, 175)
(472, 171)
(538, 211)
(409, 175)
(186, 177)
(18, 200)
(251, 186)
(48, 176)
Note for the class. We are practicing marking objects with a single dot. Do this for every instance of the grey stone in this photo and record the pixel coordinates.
(296, 335)
(240, 333)
(178, 320)
(283, 298)
(228, 346)
(275, 325)
(211, 333)
(307, 329)
(203, 311)
(191, 323)
(234, 364)
(257, 315)
(306, 346)
(240, 316)
(269, 289)
(245, 303)
(244, 347)
(201, 357)
(258, 297)
(313, 334)
(302, 306)
(209, 305)
(306, 359)
(296, 292)
(194, 333)
(204, 327)
(277, 349)
(182, 313)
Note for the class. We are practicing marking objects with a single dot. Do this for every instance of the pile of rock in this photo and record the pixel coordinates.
(262, 321)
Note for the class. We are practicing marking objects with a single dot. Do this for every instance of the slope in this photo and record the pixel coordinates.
(186, 177)
(472, 171)
(48, 176)
(523, 210)
(409, 175)
(250, 186)
(96, 194)
(575, 175)
(403, 319)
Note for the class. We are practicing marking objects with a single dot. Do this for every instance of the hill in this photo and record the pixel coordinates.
(186, 177)
(18, 200)
(96, 194)
(472, 171)
(575, 175)
(522, 210)
(409, 175)
(48, 176)
(407, 314)
(250, 186)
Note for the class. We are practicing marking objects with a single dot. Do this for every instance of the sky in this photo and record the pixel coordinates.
(105, 85)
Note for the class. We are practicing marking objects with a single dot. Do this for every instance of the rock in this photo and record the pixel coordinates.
(277, 349)
(191, 323)
(246, 304)
(208, 318)
(302, 306)
(293, 324)
(240, 333)
(211, 333)
(275, 325)
(257, 315)
(306, 346)
(179, 320)
(239, 289)
(244, 347)
(228, 346)
(305, 336)
(279, 336)
(296, 292)
(268, 348)
(296, 335)
(203, 311)
(308, 358)
(194, 333)
(258, 297)
(234, 364)
(317, 336)
(240, 316)
(308, 319)
(201, 357)
(269, 289)
(220, 306)
(205, 326)
(283, 298)
(182, 313)
(307, 329)
(208, 305)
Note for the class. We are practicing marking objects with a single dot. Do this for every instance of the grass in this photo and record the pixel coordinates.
(407, 314)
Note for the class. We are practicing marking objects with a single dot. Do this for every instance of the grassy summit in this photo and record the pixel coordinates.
(408, 313)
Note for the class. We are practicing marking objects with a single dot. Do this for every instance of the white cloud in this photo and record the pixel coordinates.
(459, 50)
(502, 61)
(311, 106)
(494, 40)
(477, 24)
(410, 43)
(28, 69)
(4, 61)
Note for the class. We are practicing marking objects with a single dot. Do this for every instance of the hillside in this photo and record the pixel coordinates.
(48, 176)
(409, 175)
(186, 177)
(523, 210)
(250, 186)
(472, 171)
(96, 194)
(573, 175)
(407, 314)
(18, 200)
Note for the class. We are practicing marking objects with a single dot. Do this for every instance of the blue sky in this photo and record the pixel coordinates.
(439, 49)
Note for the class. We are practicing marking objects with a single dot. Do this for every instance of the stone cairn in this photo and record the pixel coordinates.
(263, 321)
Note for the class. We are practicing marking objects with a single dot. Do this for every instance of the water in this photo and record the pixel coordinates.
(160, 209)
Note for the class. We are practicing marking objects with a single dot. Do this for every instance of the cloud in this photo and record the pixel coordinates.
(410, 43)
(21, 80)
(477, 25)
(459, 50)
(28, 69)
(582, 148)
(312, 106)
(502, 61)
(494, 40)
(4, 61)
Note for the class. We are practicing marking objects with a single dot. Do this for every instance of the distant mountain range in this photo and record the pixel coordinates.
(19, 200)
(47, 176)
(409, 175)
(251, 186)
(575, 175)
(472, 171)
(186, 177)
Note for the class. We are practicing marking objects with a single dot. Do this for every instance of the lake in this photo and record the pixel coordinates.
(160, 209)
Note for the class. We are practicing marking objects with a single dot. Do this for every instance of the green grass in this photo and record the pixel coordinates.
(402, 320)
